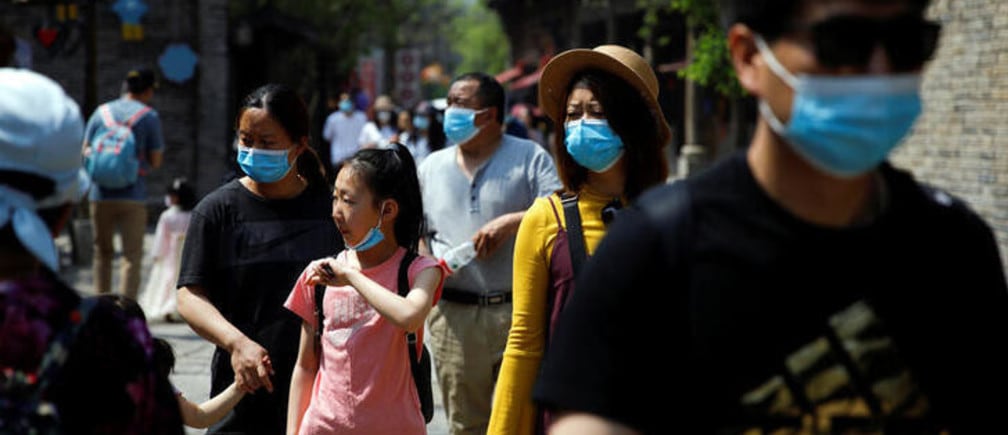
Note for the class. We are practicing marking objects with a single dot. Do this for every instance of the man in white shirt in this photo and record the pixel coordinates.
(341, 130)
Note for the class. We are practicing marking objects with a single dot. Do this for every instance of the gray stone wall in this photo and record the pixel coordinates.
(194, 114)
(960, 143)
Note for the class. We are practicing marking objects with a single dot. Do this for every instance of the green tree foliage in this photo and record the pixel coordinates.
(349, 28)
(710, 65)
(477, 38)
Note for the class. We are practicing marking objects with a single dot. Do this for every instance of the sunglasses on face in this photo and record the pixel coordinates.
(850, 40)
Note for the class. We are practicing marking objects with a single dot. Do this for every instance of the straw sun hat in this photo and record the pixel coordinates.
(614, 59)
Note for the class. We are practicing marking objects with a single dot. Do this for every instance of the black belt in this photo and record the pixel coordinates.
(470, 298)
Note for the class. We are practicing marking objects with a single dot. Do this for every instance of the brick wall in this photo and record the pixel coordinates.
(194, 114)
(960, 143)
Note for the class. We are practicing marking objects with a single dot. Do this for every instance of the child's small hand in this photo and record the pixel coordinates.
(319, 272)
(329, 272)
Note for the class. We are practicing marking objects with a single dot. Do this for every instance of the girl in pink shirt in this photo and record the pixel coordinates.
(358, 379)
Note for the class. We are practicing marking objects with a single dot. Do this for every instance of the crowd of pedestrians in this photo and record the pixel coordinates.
(563, 286)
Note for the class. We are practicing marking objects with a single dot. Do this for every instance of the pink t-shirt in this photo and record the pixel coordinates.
(364, 384)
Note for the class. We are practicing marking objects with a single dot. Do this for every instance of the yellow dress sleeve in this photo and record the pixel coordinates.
(513, 411)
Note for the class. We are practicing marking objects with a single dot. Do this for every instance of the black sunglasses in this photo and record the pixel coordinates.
(849, 40)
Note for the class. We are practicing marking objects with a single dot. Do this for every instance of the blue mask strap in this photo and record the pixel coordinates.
(775, 64)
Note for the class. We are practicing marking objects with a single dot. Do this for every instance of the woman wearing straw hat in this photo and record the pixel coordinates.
(608, 150)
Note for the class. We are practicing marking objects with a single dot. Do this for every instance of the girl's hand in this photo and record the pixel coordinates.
(329, 272)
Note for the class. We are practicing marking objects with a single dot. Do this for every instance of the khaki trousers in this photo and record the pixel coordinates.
(129, 218)
(467, 345)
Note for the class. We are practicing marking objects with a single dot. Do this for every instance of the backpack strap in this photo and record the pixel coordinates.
(106, 115)
(419, 358)
(555, 214)
(575, 236)
(136, 116)
(404, 288)
(141, 154)
(319, 316)
(109, 120)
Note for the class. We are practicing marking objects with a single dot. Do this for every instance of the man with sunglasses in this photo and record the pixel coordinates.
(803, 284)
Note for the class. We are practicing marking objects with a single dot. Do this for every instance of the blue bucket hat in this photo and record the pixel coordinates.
(40, 134)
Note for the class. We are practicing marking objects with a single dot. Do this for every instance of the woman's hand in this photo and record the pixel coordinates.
(252, 366)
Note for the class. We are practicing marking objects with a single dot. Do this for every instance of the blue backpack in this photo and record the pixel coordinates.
(113, 161)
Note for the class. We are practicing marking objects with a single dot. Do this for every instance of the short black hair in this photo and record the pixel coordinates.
(139, 80)
(490, 92)
(125, 303)
(773, 18)
(164, 357)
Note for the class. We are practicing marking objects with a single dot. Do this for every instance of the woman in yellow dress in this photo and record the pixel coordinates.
(609, 147)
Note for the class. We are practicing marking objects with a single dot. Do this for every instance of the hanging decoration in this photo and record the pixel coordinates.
(130, 12)
(60, 30)
(47, 34)
(178, 62)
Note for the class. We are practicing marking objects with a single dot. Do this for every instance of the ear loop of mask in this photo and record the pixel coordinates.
(774, 64)
(371, 234)
(781, 72)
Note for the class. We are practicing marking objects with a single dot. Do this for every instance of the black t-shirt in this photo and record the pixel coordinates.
(766, 318)
(246, 252)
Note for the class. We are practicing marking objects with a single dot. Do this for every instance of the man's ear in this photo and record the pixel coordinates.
(743, 54)
(487, 116)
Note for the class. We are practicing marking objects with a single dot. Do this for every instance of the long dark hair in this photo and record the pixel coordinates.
(289, 110)
(628, 115)
(391, 174)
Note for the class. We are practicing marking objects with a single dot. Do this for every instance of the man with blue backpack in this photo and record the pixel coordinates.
(122, 144)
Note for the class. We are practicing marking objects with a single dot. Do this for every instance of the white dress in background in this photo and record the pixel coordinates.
(158, 297)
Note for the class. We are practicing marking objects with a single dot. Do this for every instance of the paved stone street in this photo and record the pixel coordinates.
(192, 352)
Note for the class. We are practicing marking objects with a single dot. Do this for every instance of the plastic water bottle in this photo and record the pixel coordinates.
(459, 256)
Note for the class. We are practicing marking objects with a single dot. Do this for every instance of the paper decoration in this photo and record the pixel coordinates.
(47, 35)
(178, 62)
(130, 12)
(66, 12)
(60, 32)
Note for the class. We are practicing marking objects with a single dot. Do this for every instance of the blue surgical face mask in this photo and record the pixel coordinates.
(373, 237)
(593, 144)
(845, 126)
(421, 122)
(459, 124)
(264, 166)
(345, 105)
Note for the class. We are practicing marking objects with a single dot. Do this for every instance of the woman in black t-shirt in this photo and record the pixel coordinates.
(246, 244)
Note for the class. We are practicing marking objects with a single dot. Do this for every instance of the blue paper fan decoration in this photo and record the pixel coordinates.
(178, 62)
